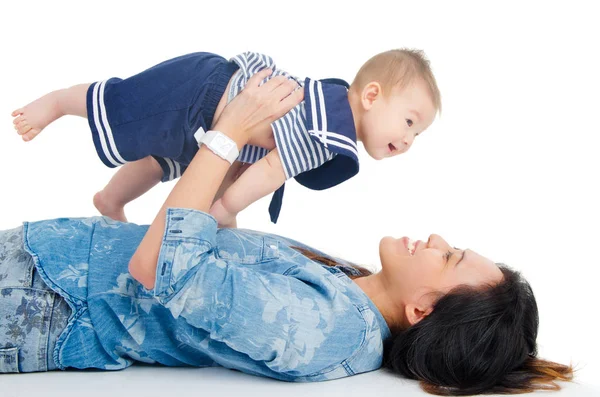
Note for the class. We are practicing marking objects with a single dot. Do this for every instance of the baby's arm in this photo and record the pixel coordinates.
(261, 178)
(233, 174)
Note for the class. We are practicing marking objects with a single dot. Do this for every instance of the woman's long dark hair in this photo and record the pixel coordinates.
(475, 341)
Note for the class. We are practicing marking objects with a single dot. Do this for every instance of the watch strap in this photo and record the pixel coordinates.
(208, 138)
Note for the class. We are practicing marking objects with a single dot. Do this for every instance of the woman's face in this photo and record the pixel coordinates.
(417, 273)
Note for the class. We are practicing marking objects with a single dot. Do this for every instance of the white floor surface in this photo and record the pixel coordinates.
(218, 382)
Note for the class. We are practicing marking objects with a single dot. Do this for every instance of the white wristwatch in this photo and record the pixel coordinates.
(219, 143)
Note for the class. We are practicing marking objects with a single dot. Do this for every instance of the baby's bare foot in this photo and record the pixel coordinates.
(32, 119)
(109, 209)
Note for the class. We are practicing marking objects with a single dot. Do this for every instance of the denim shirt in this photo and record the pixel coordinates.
(235, 298)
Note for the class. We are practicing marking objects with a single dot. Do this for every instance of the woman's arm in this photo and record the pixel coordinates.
(248, 112)
(295, 324)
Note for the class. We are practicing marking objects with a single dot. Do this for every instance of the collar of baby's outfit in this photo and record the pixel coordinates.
(329, 117)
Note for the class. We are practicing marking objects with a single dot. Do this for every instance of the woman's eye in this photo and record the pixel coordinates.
(447, 255)
(409, 122)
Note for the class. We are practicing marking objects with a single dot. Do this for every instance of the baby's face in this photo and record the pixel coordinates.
(390, 126)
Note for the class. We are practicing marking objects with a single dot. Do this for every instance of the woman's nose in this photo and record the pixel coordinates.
(436, 241)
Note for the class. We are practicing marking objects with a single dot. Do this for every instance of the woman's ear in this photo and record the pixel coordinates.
(417, 312)
(370, 94)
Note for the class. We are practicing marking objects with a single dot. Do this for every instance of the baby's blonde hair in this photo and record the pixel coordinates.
(397, 69)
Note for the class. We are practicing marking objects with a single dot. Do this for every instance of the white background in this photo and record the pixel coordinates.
(509, 170)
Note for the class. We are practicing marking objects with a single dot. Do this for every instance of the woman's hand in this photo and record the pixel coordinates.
(252, 111)
(247, 114)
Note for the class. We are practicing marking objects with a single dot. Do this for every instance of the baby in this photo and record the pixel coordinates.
(152, 124)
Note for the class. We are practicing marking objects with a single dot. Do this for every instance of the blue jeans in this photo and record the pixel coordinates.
(32, 316)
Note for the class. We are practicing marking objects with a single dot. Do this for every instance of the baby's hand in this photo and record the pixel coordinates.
(225, 218)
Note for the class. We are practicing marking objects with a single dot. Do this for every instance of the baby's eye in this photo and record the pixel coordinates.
(409, 122)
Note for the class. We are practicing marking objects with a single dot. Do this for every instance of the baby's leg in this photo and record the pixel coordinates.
(130, 182)
(31, 119)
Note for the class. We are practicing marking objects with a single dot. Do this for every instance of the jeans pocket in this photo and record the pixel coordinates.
(9, 360)
(25, 315)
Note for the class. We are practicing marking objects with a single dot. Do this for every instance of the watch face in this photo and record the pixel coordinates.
(223, 144)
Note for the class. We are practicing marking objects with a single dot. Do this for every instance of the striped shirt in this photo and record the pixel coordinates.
(298, 151)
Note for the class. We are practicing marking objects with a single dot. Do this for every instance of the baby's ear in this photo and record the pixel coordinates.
(370, 94)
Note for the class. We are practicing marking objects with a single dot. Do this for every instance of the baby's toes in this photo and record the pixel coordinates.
(17, 112)
(23, 127)
(32, 133)
(18, 119)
